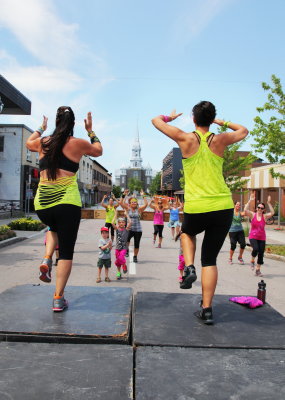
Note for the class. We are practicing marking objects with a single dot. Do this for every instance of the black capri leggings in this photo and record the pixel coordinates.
(137, 238)
(64, 219)
(158, 230)
(216, 225)
(110, 226)
(258, 248)
(237, 237)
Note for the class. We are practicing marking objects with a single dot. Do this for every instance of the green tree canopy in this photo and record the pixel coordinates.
(234, 165)
(117, 191)
(155, 185)
(134, 184)
(270, 135)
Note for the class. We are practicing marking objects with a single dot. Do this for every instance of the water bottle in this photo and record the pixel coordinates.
(261, 291)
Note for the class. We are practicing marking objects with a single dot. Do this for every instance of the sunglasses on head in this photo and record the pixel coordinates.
(260, 208)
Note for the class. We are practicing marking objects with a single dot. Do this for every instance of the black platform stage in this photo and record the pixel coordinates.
(45, 371)
(97, 315)
(166, 319)
(92, 351)
(175, 373)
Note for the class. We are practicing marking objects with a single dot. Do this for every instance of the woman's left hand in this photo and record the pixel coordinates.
(88, 122)
(269, 199)
(44, 124)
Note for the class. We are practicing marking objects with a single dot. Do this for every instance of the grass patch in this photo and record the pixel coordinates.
(275, 249)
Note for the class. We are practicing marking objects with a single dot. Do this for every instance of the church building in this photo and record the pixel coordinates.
(135, 169)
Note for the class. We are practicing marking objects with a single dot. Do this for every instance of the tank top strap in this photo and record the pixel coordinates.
(203, 137)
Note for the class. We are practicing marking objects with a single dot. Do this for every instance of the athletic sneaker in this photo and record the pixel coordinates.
(258, 272)
(45, 270)
(240, 260)
(205, 315)
(252, 265)
(124, 268)
(230, 261)
(180, 279)
(135, 259)
(59, 303)
(189, 276)
(159, 246)
(118, 275)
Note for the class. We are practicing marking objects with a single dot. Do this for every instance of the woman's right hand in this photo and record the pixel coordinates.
(88, 122)
(252, 197)
(173, 115)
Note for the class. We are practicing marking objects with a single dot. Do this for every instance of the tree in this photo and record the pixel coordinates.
(270, 136)
(234, 165)
(117, 191)
(155, 185)
(182, 179)
(134, 184)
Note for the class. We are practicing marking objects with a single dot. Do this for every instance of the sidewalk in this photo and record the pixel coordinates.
(155, 272)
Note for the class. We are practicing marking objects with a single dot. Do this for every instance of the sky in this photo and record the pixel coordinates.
(127, 61)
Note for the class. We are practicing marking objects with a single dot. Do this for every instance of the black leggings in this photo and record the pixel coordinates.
(64, 219)
(216, 225)
(158, 230)
(137, 238)
(258, 248)
(110, 226)
(237, 237)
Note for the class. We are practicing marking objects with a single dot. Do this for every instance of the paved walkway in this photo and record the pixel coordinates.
(155, 272)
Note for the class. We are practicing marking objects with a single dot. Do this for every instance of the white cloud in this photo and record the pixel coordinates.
(39, 30)
(196, 18)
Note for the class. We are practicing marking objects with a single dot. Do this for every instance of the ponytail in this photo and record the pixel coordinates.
(52, 148)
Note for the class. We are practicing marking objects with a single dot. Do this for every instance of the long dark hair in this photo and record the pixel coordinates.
(52, 148)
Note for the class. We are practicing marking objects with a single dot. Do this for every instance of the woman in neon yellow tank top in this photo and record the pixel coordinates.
(110, 213)
(57, 201)
(208, 203)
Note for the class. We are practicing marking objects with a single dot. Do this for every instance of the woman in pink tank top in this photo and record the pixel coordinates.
(159, 206)
(257, 235)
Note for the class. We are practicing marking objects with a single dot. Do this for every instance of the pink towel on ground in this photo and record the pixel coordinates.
(251, 302)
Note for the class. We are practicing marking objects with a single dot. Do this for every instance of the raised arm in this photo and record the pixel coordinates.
(94, 148)
(151, 204)
(227, 138)
(144, 206)
(246, 208)
(102, 202)
(272, 212)
(34, 141)
(160, 122)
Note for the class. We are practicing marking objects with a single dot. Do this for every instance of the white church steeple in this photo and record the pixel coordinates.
(136, 160)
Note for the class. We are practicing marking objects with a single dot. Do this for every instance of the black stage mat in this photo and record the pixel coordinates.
(101, 315)
(166, 319)
(175, 373)
(45, 371)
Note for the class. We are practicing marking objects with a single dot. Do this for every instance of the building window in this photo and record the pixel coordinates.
(29, 155)
(1, 143)
(123, 179)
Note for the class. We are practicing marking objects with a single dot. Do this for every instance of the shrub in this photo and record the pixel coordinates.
(6, 232)
(26, 224)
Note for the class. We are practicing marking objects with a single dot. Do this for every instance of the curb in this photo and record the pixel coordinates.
(17, 239)
(13, 240)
